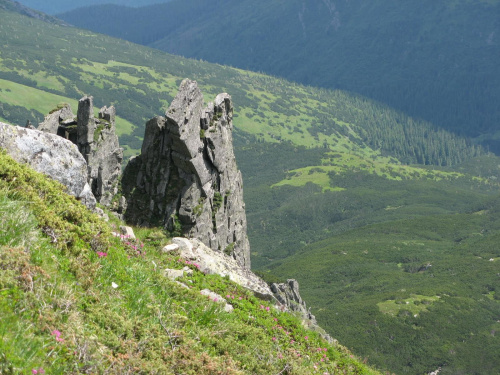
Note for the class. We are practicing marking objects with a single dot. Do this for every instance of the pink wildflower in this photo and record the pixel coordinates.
(306, 338)
(267, 308)
(274, 338)
(56, 333)
(34, 371)
(101, 254)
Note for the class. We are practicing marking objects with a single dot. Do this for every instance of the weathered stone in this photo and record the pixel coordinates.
(288, 295)
(186, 177)
(108, 114)
(173, 274)
(128, 232)
(170, 248)
(97, 143)
(52, 121)
(215, 262)
(51, 155)
(86, 123)
(217, 298)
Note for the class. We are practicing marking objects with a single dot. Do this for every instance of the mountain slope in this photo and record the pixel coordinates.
(315, 163)
(84, 301)
(433, 60)
(58, 6)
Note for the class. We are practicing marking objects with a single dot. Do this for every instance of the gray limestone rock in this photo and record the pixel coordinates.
(210, 261)
(97, 142)
(186, 177)
(86, 124)
(51, 155)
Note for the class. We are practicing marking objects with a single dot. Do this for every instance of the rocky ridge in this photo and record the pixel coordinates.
(187, 162)
(97, 141)
(186, 178)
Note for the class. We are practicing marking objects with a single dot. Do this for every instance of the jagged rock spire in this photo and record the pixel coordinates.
(186, 177)
(96, 141)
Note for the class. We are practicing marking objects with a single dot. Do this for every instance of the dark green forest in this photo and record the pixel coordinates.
(434, 60)
(381, 216)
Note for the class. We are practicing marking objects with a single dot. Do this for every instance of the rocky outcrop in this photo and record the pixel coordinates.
(186, 178)
(215, 262)
(288, 295)
(285, 296)
(51, 155)
(97, 142)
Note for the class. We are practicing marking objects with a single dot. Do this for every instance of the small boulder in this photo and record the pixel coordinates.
(128, 232)
(173, 274)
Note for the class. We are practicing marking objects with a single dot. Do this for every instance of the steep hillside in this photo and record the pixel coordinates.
(434, 60)
(316, 164)
(58, 6)
(422, 291)
(76, 299)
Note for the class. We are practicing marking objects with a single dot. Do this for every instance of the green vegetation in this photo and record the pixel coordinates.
(434, 60)
(423, 291)
(345, 180)
(76, 299)
(141, 82)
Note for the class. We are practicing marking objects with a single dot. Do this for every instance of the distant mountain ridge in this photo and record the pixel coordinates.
(58, 6)
(432, 60)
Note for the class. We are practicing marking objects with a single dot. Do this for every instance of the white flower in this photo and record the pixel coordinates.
(114, 285)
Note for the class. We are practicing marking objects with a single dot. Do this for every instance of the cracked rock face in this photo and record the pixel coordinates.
(186, 177)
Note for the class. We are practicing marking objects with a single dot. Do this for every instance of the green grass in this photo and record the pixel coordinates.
(415, 304)
(84, 301)
(44, 102)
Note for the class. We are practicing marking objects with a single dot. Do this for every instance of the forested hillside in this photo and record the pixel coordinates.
(435, 60)
(58, 6)
(322, 169)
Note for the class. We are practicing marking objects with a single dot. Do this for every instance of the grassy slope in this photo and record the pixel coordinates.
(434, 60)
(60, 312)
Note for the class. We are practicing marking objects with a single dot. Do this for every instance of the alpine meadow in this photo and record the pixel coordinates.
(377, 189)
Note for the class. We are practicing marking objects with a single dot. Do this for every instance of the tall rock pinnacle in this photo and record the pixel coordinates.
(186, 177)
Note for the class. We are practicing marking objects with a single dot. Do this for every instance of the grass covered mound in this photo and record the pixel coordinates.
(75, 299)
